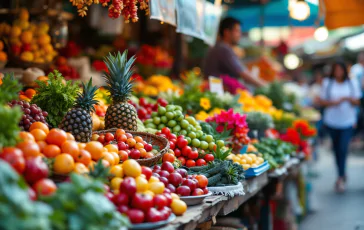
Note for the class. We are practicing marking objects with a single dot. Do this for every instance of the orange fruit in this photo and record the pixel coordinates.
(139, 146)
(116, 157)
(51, 151)
(117, 171)
(38, 134)
(56, 137)
(26, 37)
(131, 142)
(132, 168)
(70, 137)
(63, 164)
(110, 158)
(115, 183)
(112, 148)
(80, 168)
(26, 136)
(29, 148)
(30, 93)
(95, 148)
(143, 153)
(81, 145)
(123, 155)
(42, 145)
(39, 125)
(138, 139)
(71, 147)
(84, 157)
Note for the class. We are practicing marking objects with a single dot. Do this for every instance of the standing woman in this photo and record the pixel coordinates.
(340, 97)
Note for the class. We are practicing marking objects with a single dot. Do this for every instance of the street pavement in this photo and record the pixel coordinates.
(337, 211)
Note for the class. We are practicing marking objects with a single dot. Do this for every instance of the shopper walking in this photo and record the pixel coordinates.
(340, 97)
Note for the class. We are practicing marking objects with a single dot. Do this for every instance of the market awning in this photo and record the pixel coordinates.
(274, 13)
(343, 13)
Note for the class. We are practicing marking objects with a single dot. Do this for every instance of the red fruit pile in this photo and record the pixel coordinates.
(187, 155)
(129, 146)
(145, 109)
(33, 169)
(178, 181)
(67, 71)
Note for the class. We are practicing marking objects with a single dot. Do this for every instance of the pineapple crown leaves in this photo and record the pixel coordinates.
(219, 154)
(9, 88)
(85, 100)
(118, 79)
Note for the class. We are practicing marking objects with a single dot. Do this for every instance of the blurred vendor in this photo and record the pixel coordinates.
(221, 59)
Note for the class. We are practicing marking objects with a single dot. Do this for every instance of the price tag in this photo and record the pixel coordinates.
(216, 85)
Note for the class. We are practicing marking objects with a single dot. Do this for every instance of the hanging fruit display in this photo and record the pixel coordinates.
(127, 8)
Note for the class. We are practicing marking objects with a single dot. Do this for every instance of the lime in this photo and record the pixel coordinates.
(184, 124)
(196, 143)
(220, 143)
(188, 139)
(192, 135)
(178, 107)
(172, 123)
(212, 146)
(161, 126)
(151, 126)
(198, 127)
(179, 118)
(148, 121)
(183, 132)
(161, 110)
(176, 128)
(170, 115)
(170, 108)
(199, 134)
(154, 114)
(204, 145)
(157, 120)
(209, 138)
(164, 119)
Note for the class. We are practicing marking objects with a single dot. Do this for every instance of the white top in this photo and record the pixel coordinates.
(357, 72)
(344, 114)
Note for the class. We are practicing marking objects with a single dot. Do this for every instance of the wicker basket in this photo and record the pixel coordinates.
(162, 142)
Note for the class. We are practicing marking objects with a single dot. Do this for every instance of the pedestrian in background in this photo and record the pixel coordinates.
(340, 97)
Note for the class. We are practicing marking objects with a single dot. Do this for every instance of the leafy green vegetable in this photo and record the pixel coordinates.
(259, 121)
(17, 211)
(9, 89)
(82, 204)
(219, 154)
(9, 128)
(55, 97)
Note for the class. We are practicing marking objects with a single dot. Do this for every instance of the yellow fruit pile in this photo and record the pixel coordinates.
(155, 85)
(257, 103)
(29, 41)
(246, 160)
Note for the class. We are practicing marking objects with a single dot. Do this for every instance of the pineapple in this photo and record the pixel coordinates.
(78, 120)
(120, 114)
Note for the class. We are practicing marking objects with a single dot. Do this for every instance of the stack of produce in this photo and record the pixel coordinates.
(156, 85)
(69, 72)
(250, 160)
(3, 55)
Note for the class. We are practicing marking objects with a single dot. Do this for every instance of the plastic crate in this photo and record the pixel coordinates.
(253, 172)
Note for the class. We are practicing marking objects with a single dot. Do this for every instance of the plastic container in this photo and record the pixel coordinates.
(253, 172)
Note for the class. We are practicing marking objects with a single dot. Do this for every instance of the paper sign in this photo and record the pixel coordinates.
(212, 18)
(216, 85)
(163, 10)
(190, 17)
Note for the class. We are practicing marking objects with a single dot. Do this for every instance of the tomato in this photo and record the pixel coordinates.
(177, 152)
(70, 137)
(178, 207)
(182, 160)
(109, 137)
(115, 183)
(84, 157)
(45, 187)
(80, 168)
(112, 148)
(173, 136)
(117, 171)
(51, 151)
(81, 145)
(25, 136)
(169, 157)
(116, 157)
(29, 148)
(166, 131)
(38, 134)
(200, 162)
(209, 157)
(149, 155)
(123, 155)
(139, 146)
(138, 139)
(63, 164)
(141, 184)
(14, 157)
(110, 158)
(186, 151)
(156, 187)
(71, 147)
(39, 125)
(193, 155)
(56, 137)
(181, 143)
(132, 168)
(202, 181)
(172, 145)
(143, 153)
(95, 148)
(190, 163)
(131, 142)
(42, 145)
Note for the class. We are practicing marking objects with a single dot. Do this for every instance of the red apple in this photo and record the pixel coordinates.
(128, 186)
(121, 199)
(123, 209)
(109, 137)
(169, 198)
(183, 190)
(110, 196)
(175, 179)
(136, 216)
(168, 166)
(148, 147)
(134, 154)
(197, 192)
(156, 175)
(122, 145)
(205, 190)
(157, 167)
(171, 187)
(32, 194)
(190, 183)
(177, 152)
(101, 139)
(153, 215)
(160, 201)
(128, 135)
(142, 201)
(166, 212)
(182, 172)
(147, 172)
